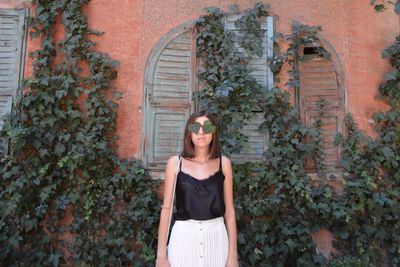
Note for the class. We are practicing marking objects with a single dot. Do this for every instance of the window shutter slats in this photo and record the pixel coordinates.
(257, 140)
(11, 40)
(261, 72)
(330, 126)
(168, 134)
(170, 100)
(318, 81)
(172, 81)
(5, 107)
(259, 65)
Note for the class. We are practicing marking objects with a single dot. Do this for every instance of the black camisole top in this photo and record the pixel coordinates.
(199, 199)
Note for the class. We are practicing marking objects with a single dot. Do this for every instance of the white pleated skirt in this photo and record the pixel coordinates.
(198, 243)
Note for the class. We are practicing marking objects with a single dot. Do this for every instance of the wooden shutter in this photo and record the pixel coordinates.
(257, 140)
(318, 79)
(11, 51)
(169, 100)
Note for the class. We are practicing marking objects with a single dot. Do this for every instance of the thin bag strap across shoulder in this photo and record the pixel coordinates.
(172, 200)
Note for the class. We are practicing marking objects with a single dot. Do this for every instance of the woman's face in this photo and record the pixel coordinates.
(201, 139)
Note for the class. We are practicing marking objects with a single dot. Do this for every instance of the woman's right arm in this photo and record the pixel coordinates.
(170, 174)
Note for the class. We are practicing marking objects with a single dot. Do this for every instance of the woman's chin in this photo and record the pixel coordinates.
(202, 144)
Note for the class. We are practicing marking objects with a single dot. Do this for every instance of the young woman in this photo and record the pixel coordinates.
(204, 233)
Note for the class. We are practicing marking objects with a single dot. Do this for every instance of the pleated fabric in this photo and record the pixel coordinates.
(196, 243)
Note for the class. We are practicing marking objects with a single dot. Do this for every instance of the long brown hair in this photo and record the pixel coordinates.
(188, 147)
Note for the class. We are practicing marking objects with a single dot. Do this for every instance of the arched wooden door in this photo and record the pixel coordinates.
(319, 79)
(170, 83)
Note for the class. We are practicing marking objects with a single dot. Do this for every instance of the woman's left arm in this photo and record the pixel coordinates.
(230, 217)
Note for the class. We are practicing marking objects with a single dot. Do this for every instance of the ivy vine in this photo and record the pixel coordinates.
(62, 164)
(227, 86)
(278, 207)
(277, 188)
(62, 134)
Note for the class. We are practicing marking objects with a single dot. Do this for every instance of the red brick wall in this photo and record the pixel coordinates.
(353, 28)
(133, 27)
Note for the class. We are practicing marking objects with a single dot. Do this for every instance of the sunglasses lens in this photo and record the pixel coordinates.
(194, 127)
(208, 128)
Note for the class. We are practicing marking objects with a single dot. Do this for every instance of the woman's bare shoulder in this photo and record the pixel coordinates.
(226, 162)
(173, 159)
(172, 163)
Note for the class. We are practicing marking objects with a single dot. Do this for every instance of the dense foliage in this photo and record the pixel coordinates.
(62, 164)
(227, 87)
(278, 206)
(262, 189)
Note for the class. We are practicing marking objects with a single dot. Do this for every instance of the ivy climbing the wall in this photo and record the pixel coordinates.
(278, 205)
(228, 89)
(62, 165)
(272, 197)
(373, 186)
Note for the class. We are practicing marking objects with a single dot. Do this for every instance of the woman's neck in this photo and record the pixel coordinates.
(202, 155)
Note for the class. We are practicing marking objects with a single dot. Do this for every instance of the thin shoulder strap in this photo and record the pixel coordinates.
(220, 162)
(172, 200)
(180, 163)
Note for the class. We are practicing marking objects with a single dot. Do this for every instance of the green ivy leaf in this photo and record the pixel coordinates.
(43, 169)
(387, 152)
(63, 202)
(59, 149)
(55, 258)
(379, 8)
